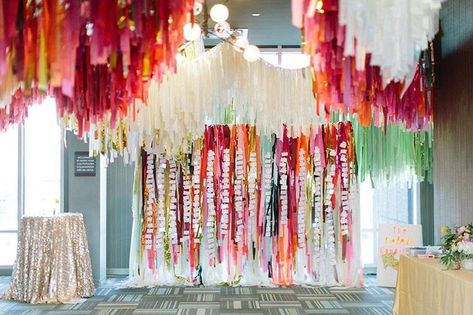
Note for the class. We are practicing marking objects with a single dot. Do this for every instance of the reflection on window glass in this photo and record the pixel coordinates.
(42, 160)
(9, 179)
(8, 246)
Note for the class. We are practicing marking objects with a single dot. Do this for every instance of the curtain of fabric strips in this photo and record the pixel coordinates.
(236, 208)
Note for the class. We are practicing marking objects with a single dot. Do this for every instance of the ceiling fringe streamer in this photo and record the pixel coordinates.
(220, 83)
(242, 209)
(372, 58)
(220, 87)
(394, 154)
(107, 65)
(94, 56)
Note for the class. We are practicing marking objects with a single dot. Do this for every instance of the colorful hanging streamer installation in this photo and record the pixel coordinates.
(393, 154)
(241, 209)
(94, 56)
(352, 80)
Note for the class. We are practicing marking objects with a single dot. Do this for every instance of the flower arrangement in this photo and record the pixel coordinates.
(466, 248)
(456, 245)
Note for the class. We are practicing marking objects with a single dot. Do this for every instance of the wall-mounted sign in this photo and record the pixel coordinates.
(393, 241)
(84, 165)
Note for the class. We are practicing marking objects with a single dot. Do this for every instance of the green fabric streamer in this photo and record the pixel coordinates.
(383, 155)
(393, 154)
(396, 153)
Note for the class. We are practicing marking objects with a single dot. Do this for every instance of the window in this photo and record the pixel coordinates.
(286, 58)
(30, 166)
(42, 160)
(8, 194)
(270, 57)
(294, 60)
(392, 204)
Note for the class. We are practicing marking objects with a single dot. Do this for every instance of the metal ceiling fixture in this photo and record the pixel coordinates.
(219, 13)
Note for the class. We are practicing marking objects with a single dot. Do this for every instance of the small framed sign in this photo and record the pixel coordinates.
(84, 165)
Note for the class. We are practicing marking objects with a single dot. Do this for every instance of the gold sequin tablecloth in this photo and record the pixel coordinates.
(53, 262)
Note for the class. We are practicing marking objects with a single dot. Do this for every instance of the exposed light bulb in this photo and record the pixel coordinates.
(251, 53)
(240, 44)
(219, 13)
(222, 29)
(192, 31)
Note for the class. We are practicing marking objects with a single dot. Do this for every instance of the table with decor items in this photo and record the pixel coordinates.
(425, 287)
(53, 263)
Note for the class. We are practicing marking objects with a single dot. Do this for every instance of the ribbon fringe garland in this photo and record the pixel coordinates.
(241, 209)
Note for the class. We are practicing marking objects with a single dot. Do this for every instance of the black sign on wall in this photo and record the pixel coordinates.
(84, 165)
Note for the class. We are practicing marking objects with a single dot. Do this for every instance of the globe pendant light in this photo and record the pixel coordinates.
(222, 30)
(251, 53)
(192, 31)
(240, 44)
(198, 7)
(219, 13)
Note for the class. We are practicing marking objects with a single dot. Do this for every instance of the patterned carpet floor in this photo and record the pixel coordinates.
(217, 300)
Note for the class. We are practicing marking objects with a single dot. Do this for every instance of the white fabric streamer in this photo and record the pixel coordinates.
(201, 90)
(393, 32)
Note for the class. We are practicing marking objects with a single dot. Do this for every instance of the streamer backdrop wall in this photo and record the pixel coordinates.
(237, 208)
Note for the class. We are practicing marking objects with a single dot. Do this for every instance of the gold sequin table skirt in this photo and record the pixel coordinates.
(53, 262)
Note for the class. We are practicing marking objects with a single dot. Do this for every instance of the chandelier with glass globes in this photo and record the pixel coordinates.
(219, 13)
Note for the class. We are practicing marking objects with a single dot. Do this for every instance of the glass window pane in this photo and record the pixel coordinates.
(391, 204)
(387, 204)
(42, 160)
(366, 205)
(367, 248)
(270, 57)
(8, 244)
(9, 179)
(294, 60)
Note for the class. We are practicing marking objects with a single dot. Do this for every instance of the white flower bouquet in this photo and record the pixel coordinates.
(466, 248)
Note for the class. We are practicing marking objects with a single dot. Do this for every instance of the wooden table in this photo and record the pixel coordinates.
(424, 287)
(52, 263)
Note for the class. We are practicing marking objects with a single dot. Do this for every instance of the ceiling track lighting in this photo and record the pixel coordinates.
(219, 13)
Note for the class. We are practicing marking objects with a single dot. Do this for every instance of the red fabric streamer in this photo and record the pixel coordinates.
(339, 86)
(94, 56)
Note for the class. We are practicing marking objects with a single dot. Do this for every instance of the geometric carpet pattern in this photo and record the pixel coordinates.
(217, 300)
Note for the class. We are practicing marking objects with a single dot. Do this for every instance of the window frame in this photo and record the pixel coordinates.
(279, 51)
